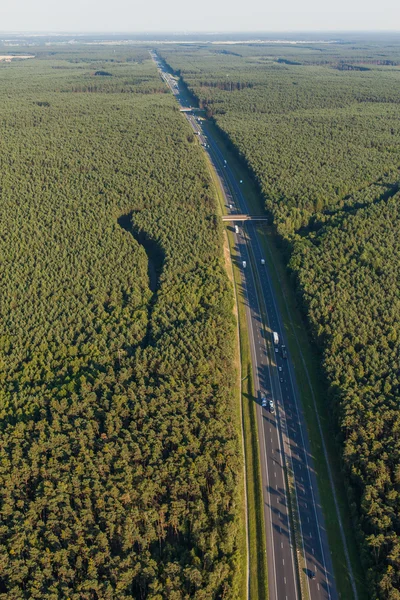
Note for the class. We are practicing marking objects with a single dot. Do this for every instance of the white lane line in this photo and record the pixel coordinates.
(283, 560)
(284, 579)
(281, 544)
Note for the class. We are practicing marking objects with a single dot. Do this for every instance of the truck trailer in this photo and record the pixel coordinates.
(276, 337)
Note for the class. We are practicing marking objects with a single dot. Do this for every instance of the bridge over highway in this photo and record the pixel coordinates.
(244, 218)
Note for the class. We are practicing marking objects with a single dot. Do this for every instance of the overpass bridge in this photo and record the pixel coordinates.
(189, 109)
(244, 218)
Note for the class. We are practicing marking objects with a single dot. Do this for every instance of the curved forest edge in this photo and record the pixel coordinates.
(120, 459)
(324, 148)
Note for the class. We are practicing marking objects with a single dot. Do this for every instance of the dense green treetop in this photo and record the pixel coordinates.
(119, 454)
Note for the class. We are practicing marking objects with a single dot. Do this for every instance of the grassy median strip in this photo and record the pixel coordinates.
(258, 578)
(307, 366)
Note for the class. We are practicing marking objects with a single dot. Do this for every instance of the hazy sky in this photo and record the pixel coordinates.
(207, 15)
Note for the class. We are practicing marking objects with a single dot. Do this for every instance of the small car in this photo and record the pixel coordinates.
(271, 406)
(263, 261)
(312, 575)
(276, 349)
(279, 368)
(281, 380)
(263, 401)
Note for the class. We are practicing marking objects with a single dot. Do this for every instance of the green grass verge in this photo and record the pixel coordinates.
(242, 541)
(258, 578)
(307, 362)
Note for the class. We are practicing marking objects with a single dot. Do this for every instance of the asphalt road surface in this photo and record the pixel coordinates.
(284, 445)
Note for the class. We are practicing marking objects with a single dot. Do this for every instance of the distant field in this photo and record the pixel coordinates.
(10, 57)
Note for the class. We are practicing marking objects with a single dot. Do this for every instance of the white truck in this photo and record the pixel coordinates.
(276, 337)
(236, 229)
(244, 264)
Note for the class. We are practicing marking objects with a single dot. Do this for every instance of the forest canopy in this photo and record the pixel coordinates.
(119, 456)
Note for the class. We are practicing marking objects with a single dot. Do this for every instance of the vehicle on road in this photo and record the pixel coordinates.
(284, 352)
(263, 401)
(244, 264)
(263, 261)
(312, 575)
(276, 337)
(281, 380)
(279, 368)
(230, 206)
(276, 349)
(271, 406)
(236, 229)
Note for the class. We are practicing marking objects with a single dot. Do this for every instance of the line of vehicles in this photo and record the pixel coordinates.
(270, 403)
(237, 231)
(264, 402)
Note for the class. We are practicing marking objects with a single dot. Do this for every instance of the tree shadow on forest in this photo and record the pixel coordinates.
(155, 262)
(154, 252)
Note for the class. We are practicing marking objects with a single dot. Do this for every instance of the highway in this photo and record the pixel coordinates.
(284, 445)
